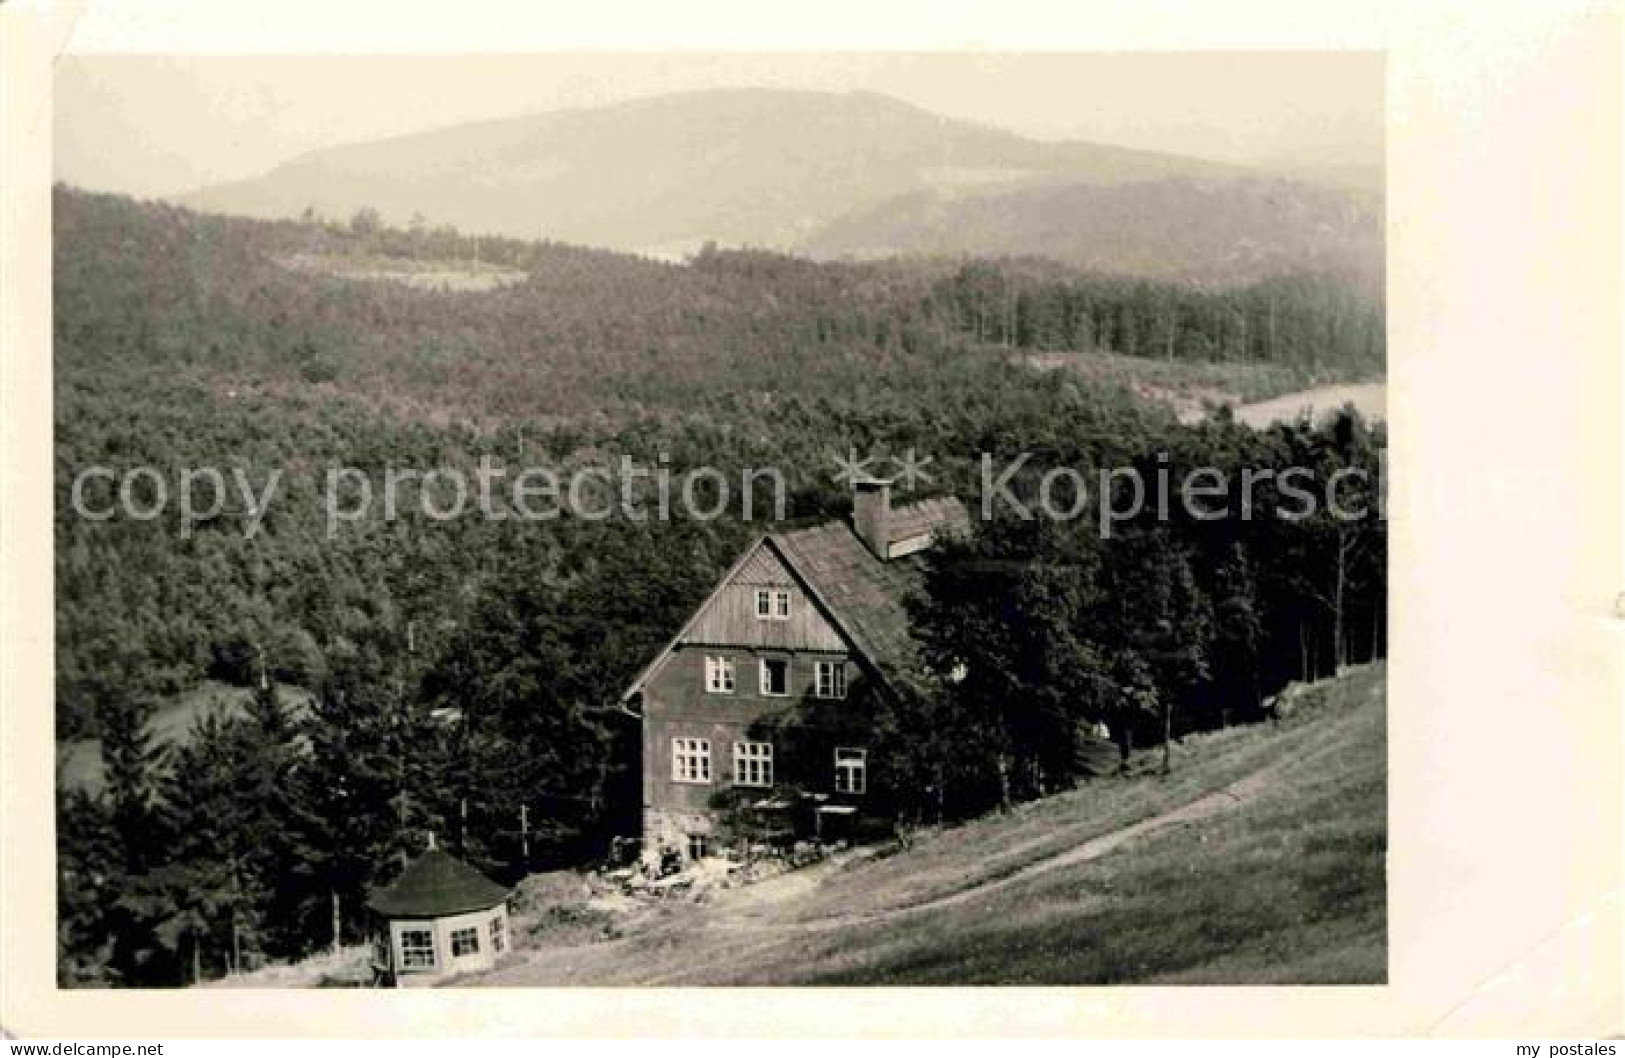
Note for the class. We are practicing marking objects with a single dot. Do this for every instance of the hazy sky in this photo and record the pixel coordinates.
(155, 126)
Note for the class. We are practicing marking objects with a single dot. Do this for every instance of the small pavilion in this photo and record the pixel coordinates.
(440, 917)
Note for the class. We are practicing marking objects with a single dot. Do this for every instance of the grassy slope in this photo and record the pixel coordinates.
(1281, 879)
(1287, 887)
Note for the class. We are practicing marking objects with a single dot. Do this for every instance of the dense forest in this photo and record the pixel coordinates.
(1305, 320)
(464, 669)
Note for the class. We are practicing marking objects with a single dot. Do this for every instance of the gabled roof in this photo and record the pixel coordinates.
(864, 597)
(436, 884)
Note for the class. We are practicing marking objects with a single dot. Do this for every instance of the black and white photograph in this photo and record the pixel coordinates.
(801, 523)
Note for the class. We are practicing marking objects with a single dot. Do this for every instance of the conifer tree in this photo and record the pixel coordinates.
(135, 764)
(356, 817)
(273, 753)
(215, 879)
(87, 870)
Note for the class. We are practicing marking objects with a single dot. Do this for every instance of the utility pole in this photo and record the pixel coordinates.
(236, 933)
(403, 671)
(524, 834)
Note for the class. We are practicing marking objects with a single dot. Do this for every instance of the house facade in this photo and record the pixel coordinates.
(770, 684)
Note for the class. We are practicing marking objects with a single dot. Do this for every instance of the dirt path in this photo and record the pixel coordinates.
(1202, 808)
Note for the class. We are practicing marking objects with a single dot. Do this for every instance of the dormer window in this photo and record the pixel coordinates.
(772, 604)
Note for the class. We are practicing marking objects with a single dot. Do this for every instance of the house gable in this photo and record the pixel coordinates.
(729, 618)
(843, 597)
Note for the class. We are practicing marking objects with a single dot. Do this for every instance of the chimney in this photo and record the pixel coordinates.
(871, 514)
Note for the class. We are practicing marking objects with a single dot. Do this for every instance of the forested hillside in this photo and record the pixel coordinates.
(185, 340)
(1317, 323)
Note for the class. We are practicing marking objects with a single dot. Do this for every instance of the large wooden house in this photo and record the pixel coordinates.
(770, 685)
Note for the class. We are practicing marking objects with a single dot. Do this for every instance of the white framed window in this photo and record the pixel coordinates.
(698, 847)
(465, 942)
(417, 948)
(775, 677)
(753, 764)
(829, 679)
(772, 604)
(851, 770)
(690, 760)
(499, 936)
(719, 675)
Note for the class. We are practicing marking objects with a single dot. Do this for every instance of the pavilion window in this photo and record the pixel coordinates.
(465, 942)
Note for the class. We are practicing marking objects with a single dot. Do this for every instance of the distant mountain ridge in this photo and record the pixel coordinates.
(830, 174)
